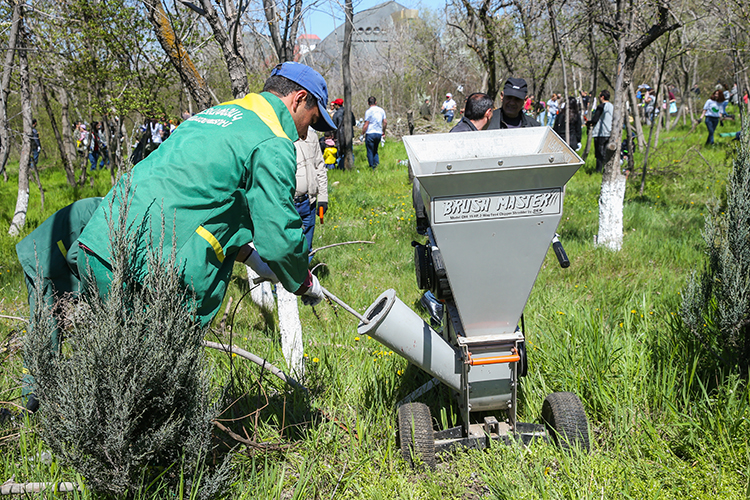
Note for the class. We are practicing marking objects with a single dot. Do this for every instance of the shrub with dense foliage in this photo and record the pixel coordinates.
(129, 399)
(716, 306)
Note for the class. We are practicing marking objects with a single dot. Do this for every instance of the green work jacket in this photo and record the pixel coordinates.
(49, 252)
(223, 178)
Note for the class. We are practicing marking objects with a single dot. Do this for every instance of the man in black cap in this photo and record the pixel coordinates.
(511, 114)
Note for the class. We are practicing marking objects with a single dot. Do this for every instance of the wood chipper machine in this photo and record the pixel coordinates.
(492, 203)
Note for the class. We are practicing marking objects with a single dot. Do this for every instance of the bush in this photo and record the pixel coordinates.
(716, 305)
(129, 402)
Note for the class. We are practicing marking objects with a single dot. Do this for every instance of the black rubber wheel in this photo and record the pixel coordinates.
(415, 434)
(566, 422)
(523, 364)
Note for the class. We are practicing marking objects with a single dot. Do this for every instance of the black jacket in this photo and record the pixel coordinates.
(575, 128)
(464, 125)
(496, 122)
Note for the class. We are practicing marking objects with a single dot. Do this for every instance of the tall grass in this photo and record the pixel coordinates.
(603, 328)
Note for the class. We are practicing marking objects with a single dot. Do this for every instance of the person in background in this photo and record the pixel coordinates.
(425, 110)
(569, 110)
(602, 128)
(713, 112)
(509, 115)
(585, 101)
(311, 192)
(527, 104)
(448, 109)
(373, 130)
(552, 108)
(94, 146)
(338, 120)
(477, 113)
(329, 150)
(101, 137)
(36, 144)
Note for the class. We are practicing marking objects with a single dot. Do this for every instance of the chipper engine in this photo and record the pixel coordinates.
(493, 201)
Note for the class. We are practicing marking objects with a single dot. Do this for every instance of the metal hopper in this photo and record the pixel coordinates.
(492, 200)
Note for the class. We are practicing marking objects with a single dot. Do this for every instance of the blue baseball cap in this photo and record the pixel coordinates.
(314, 83)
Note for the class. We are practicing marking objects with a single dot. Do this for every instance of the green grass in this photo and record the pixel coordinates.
(606, 328)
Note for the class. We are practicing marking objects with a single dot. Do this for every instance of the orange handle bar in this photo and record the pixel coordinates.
(320, 214)
(513, 358)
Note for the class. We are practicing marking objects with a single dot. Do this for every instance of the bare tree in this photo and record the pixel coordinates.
(283, 25)
(177, 54)
(346, 74)
(22, 200)
(5, 88)
(632, 40)
(478, 27)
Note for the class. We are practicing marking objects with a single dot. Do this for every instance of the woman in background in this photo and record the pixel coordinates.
(713, 111)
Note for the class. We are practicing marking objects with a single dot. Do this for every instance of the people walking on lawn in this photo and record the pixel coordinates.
(374, 131)
(713, 112)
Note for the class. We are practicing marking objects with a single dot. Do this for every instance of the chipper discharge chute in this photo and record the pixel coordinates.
(493, 200)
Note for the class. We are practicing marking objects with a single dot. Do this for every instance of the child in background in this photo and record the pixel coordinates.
(328, 145)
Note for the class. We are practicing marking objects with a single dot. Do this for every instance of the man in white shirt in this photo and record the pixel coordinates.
(449, 107)
(374, 131)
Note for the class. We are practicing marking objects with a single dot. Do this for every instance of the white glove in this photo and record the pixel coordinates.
(261, 268)
(314, 295)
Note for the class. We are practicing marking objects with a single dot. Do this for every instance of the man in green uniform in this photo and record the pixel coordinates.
(223, 179)
(48, 257)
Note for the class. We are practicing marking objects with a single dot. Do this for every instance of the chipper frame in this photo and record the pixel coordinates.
(493, 201)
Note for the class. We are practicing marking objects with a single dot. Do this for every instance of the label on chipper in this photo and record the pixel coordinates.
(498, 206)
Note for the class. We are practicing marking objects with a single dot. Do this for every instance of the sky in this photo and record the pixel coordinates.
(323, 16)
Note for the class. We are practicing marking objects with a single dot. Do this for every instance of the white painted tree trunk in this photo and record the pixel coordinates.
(22, 205)
(291, 331)
(610, 212)
(262, 294)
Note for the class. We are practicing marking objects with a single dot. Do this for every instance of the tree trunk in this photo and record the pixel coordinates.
(612, 194)
(558, 46)
(346, 74)
(5, 87)
(594, 83)
(291, 331)
(613, 181)
(67, 164)
(260, 293)
(636, 118)
(22, 201)
(232, 46)
(177, 54)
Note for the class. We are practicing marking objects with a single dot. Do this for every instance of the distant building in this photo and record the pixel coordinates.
(372, 35)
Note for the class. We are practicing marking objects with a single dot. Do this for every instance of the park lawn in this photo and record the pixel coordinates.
(607, 328)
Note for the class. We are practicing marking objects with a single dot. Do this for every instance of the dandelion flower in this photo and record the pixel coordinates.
(315, 360)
